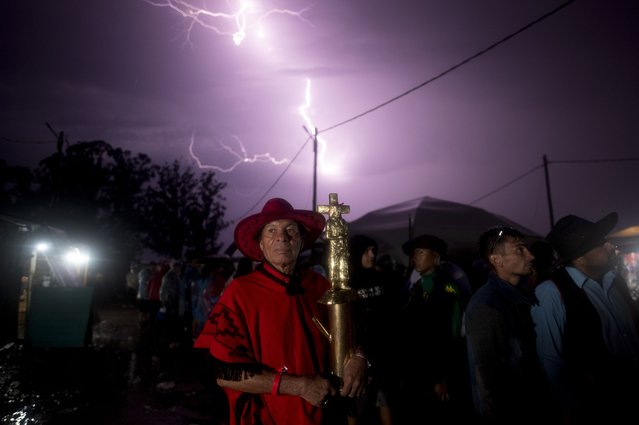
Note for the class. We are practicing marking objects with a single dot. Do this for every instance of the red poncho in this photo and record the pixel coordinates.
(256, 321)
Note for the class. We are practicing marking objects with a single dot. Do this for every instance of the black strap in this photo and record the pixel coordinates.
(293, 286)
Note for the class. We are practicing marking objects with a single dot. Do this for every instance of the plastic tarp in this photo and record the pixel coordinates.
(59, 316)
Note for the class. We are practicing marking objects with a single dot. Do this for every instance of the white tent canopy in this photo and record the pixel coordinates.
(458, 224)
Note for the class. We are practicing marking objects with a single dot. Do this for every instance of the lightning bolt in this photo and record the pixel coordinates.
(321, 143)
(246, 17)
(242, 157)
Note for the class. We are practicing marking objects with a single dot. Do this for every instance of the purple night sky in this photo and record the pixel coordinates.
(149, 79)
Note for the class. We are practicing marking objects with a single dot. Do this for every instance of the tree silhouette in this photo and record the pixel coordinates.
(91, 188)
(118, 204)
(187, 211)
(15, 190)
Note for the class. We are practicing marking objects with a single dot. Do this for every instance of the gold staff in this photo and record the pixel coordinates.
(338, 298)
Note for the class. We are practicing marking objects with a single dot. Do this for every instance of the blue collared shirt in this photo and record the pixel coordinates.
(619, 333)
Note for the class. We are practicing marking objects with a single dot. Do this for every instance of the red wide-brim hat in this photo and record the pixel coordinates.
(248, 229)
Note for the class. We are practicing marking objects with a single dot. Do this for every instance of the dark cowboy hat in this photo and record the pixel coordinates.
(574, 236)
(247, 230)
(425, 242)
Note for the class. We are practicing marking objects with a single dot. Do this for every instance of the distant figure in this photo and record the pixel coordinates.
(155, 282)
(171, 289)
(170, 326)
(202, 299)
(587, 326)
(244, 266)
(146, 346)
(131, 288)
(207, 290)
(144, 276)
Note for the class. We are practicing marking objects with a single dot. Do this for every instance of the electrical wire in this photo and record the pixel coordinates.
(452, 68)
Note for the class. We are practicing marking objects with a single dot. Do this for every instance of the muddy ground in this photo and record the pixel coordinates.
(102, 384)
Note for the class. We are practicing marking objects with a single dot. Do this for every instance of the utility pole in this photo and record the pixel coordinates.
(315, 169)
(548, 195)
(314, 136)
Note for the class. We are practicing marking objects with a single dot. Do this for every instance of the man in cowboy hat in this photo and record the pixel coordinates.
(587, 326)
(272, 358)
(429, 336)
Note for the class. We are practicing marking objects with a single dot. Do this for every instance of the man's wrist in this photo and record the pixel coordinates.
(278, 380)
(361, 355)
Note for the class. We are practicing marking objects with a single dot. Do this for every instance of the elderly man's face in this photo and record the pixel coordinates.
(281, 241)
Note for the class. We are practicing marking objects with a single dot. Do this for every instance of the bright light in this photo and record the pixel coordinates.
(325, 167)
(42, 246)
(243, 18)
(76, 257)
(241, 157)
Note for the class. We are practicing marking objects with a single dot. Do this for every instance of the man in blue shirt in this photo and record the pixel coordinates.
(587, 325)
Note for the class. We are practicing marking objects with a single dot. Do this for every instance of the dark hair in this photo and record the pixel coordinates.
(495, 237)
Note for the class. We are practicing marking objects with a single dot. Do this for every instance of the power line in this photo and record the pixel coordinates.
(569, 161)
(506, 184)
(452, 68)
(581, 161)
(419, 86)
(35, 142)
(275, 182)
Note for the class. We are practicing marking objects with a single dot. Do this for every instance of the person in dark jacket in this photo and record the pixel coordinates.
(374, 311)
(503, 364)
(429, 348)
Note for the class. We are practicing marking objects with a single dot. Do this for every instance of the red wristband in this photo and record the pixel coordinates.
(278, 380)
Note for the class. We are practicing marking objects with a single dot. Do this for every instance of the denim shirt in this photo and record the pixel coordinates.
(618, 329)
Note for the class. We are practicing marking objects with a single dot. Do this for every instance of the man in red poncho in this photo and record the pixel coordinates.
(272, 359)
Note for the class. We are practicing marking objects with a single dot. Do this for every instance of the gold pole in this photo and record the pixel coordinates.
(340, 295)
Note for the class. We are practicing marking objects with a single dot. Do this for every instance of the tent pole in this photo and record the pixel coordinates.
(315, 170)
(410, 227)
(548, 195)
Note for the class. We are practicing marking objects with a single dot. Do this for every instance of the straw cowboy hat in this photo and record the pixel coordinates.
(247, 231)
(574, 236)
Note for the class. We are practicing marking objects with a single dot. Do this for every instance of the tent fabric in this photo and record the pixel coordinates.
(458, 224)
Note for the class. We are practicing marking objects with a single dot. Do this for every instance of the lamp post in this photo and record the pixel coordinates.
(315, 169)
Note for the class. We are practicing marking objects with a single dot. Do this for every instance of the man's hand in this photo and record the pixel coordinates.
(317, 390)
(355, 376)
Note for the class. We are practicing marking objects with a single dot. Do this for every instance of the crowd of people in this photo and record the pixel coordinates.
(549, 333)
(174, 299)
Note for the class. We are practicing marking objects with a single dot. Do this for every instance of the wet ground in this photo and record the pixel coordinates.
(101, 384)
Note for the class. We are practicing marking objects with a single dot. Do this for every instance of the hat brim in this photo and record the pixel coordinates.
(247, 230)
(431, 242)
(600, 230)
(408, 247)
